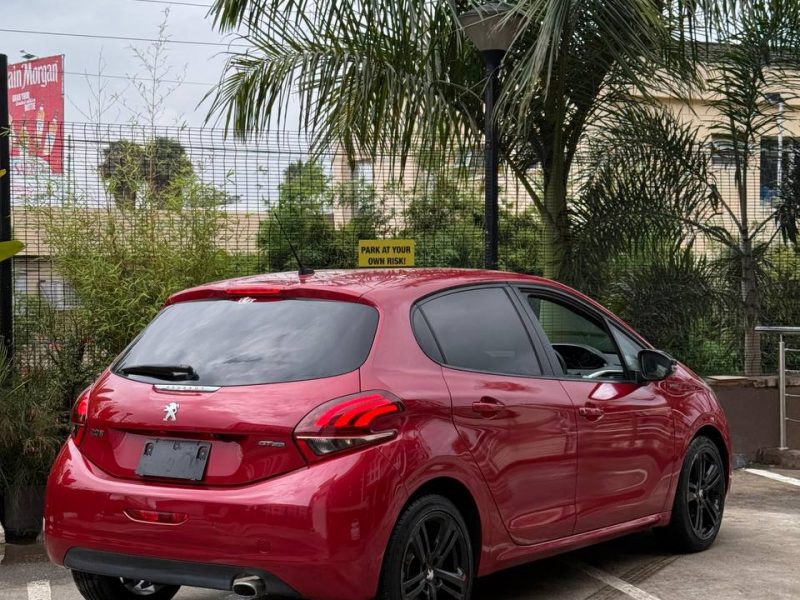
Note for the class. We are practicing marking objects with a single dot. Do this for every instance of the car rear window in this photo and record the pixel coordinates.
(229, 342)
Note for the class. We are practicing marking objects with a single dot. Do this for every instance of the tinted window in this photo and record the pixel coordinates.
(480, 330)
(425, 337)
(243, 343)
(582, 344)
(563, 324)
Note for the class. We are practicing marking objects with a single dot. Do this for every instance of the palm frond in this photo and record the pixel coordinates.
(372, 76)
(655, 167)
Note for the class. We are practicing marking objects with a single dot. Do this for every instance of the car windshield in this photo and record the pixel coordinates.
(229, 342)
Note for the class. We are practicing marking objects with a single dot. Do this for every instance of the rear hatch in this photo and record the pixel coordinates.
(233, 375)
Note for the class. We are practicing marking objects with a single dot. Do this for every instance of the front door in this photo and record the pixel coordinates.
(625, 429)
(519, 427)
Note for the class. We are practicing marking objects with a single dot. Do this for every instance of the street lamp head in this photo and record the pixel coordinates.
(491, 26)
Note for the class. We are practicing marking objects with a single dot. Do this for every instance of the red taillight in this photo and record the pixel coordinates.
(80, 412)
(348, 422)
(153, 516)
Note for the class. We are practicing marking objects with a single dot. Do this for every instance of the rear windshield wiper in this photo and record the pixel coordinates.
(167, 372)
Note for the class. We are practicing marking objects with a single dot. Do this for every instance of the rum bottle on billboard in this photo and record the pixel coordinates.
(39, 142)
(52, 132)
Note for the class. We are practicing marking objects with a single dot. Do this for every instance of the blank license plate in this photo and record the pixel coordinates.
(175, 459)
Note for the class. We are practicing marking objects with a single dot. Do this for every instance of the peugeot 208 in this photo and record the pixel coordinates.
(347, 435)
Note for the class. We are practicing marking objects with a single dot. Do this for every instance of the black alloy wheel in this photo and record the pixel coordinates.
(436, 560)
(101, 587)
(429, 555)
(141, 587)
(705, 494)
(699, 500)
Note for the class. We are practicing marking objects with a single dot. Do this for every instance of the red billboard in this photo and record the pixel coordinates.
(36, 111)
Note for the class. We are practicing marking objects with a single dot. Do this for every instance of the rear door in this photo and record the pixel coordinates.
(519, 427)
(625, 429)
(247, 371)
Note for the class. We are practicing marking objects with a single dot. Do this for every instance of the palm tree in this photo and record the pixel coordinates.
(387, 75)
(121, 171)
(658, 169)
(761, 57)
(165, 165)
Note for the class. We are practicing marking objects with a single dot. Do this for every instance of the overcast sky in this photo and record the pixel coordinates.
(127, 18)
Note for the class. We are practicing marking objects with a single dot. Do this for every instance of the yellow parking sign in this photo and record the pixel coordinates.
(386, 253)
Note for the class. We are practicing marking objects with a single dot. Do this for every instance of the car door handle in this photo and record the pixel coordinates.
(591, 413)
(488, 407)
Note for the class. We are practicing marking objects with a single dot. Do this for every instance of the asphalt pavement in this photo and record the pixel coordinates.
(756, 557)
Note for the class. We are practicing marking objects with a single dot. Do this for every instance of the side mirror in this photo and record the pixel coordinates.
(655, 365)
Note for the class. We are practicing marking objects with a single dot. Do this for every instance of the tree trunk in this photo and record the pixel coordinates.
(555, 224)
(751, 305)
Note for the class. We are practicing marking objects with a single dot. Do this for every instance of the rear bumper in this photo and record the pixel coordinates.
(171, 572)
(321, 530)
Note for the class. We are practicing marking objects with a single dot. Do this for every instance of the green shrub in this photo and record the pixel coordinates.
(302, 217)
(34, 422)
(444, 214)
(668, 294)
(122, 265)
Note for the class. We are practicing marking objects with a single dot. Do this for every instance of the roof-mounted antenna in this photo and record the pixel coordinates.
(302, 269)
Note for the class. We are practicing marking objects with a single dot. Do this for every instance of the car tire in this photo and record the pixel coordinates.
(99, 587)
(699, 500)
(430, 548)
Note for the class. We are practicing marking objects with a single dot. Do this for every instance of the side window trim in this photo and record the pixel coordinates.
(617, 332)
(539, 350)
(550, 366)
(580, 307)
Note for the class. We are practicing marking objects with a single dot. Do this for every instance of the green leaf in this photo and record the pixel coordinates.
(9, 249)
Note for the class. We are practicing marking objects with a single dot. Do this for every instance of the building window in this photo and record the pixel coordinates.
(58, 294)
(470, 159)
(722, 152)
(20, 280)
(777, 158)
(363, 172)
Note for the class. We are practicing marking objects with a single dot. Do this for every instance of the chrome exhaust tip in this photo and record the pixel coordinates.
(249, 587)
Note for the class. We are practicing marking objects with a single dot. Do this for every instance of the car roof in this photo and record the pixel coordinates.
(355, 283)
(381, 287)
(375, 286)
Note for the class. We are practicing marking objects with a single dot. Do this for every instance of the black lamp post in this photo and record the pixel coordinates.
(492, 29)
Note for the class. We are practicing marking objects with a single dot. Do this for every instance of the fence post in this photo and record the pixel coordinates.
(6, 271)
(782, 389)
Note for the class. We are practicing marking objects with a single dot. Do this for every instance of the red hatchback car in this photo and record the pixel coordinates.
(352, 434)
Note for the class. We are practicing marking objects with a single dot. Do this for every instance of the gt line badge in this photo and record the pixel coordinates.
(171, 411)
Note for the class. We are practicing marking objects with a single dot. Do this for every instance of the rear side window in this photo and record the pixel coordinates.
(245, 343)
(480, 330)
(425, 337)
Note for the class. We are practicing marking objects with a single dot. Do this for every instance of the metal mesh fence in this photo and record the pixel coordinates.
(138, 214)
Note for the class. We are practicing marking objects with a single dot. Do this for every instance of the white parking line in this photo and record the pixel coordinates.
(39, 590)
(774, 476)
(615, 582)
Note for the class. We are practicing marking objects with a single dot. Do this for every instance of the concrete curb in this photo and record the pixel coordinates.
(783, 459)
